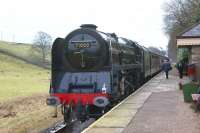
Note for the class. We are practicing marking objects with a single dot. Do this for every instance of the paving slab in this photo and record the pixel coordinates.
(105, 130)
(131, 106)
(123, 112)
(139, 98)
(113, 122)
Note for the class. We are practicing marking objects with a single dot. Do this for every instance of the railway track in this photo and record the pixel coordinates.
(58, 127)
(75, 127)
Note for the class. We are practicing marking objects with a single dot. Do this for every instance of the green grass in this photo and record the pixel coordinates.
(23, 91)
(17, 78)
(23, 51)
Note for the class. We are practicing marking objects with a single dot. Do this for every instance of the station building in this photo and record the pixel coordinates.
(188, 43)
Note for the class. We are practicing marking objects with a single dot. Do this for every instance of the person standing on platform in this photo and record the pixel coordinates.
(166, 67)
(179, 66)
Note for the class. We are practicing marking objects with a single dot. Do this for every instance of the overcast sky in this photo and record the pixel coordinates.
(139, 20)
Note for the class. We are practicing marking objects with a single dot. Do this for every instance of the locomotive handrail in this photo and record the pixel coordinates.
(110, 43)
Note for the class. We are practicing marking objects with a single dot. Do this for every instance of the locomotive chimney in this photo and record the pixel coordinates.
(89, 26)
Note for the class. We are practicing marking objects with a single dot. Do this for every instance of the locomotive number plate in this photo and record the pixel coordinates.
(82, 45)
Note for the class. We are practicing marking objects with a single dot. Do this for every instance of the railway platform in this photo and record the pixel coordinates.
(156, 107)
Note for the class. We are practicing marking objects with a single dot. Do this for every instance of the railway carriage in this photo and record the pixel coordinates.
(92, 70)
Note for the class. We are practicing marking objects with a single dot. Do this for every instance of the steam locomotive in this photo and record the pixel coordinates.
(92, 70)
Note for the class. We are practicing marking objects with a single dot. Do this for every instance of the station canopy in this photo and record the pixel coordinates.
(189, 37)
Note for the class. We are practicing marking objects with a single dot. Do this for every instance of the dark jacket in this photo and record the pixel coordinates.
(179, 66)
(166, 67)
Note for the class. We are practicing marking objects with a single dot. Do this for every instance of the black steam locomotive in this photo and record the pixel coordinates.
(92, 69)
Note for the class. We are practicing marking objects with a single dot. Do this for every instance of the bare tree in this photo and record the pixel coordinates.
(179, 15)
(42, 44)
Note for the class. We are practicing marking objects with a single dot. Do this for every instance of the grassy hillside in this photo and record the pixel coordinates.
(17, 49)
(17, 78)
(24, 88)
(24, 52)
